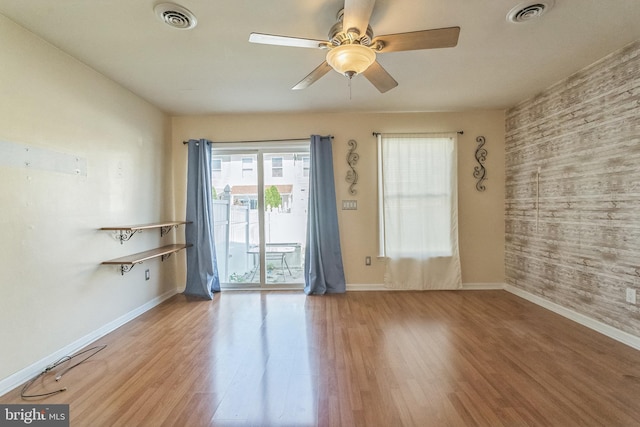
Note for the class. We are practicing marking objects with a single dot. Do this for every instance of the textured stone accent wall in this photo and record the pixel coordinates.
(573, 232)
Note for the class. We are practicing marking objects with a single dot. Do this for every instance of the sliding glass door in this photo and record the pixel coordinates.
(260, 214)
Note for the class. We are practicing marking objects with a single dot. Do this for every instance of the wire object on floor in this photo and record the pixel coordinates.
(93, 351)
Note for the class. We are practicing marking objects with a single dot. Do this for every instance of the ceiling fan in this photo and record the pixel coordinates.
(352, 48)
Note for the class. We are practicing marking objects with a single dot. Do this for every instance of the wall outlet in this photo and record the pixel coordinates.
(631, 295)
(147, 275)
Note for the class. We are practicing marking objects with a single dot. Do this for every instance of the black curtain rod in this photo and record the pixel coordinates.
(260, 140)
(459, 132)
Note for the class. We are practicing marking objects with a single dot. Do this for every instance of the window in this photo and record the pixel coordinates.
(276, 167)
(247, 167)
(216, 168)
(305, 165)
(417, 195)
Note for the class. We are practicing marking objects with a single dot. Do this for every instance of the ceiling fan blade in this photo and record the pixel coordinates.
(286, 41)
(426, 39)
(314, 76)
(357, 14)
(379, 77)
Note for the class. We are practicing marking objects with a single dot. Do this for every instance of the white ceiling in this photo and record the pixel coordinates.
(214, 69)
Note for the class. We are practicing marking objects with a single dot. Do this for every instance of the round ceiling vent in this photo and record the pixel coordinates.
(529, 11)
(175, 16)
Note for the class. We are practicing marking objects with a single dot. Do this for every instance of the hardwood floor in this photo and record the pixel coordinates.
(440, 358)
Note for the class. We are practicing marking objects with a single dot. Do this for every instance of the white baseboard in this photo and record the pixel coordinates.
(20, 377)
(482, 286)
(596, 325)
(465, 287)
(366, 287)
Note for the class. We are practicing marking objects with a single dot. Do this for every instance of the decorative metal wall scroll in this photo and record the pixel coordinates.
(479, 172)
(352, 159)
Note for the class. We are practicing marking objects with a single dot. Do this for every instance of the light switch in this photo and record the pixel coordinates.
(348, 205)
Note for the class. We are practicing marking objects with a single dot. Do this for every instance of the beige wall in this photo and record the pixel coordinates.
(481, 218)
(580, 249)
(53, 291)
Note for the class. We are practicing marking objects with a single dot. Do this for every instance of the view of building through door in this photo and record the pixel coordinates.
(260, 215)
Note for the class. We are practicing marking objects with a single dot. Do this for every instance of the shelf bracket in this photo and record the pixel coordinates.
(165, 256)
(125, 235)
(125, 268)
(166, 229)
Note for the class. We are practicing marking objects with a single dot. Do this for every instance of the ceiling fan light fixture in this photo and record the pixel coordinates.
(350, 59)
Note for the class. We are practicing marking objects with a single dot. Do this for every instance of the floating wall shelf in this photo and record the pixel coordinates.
(128, 262)
(125, 232)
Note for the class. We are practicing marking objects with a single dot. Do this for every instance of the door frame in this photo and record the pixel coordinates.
(260, 149)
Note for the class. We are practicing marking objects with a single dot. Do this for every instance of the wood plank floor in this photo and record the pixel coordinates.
(471, 358)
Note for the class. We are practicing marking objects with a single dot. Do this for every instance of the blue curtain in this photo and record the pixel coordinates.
(202, 268)
(323, 269)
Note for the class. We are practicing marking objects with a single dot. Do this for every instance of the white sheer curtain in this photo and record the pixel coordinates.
(419, 210)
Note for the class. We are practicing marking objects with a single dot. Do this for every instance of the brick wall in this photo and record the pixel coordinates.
(573, 231)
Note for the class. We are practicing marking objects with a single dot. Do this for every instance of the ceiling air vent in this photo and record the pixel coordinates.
(529, 11)
(175, 16)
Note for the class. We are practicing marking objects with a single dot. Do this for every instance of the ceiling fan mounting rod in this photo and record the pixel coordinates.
(338, 36)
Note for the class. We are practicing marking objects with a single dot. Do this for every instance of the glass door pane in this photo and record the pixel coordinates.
(286, 189)
(235, 214)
